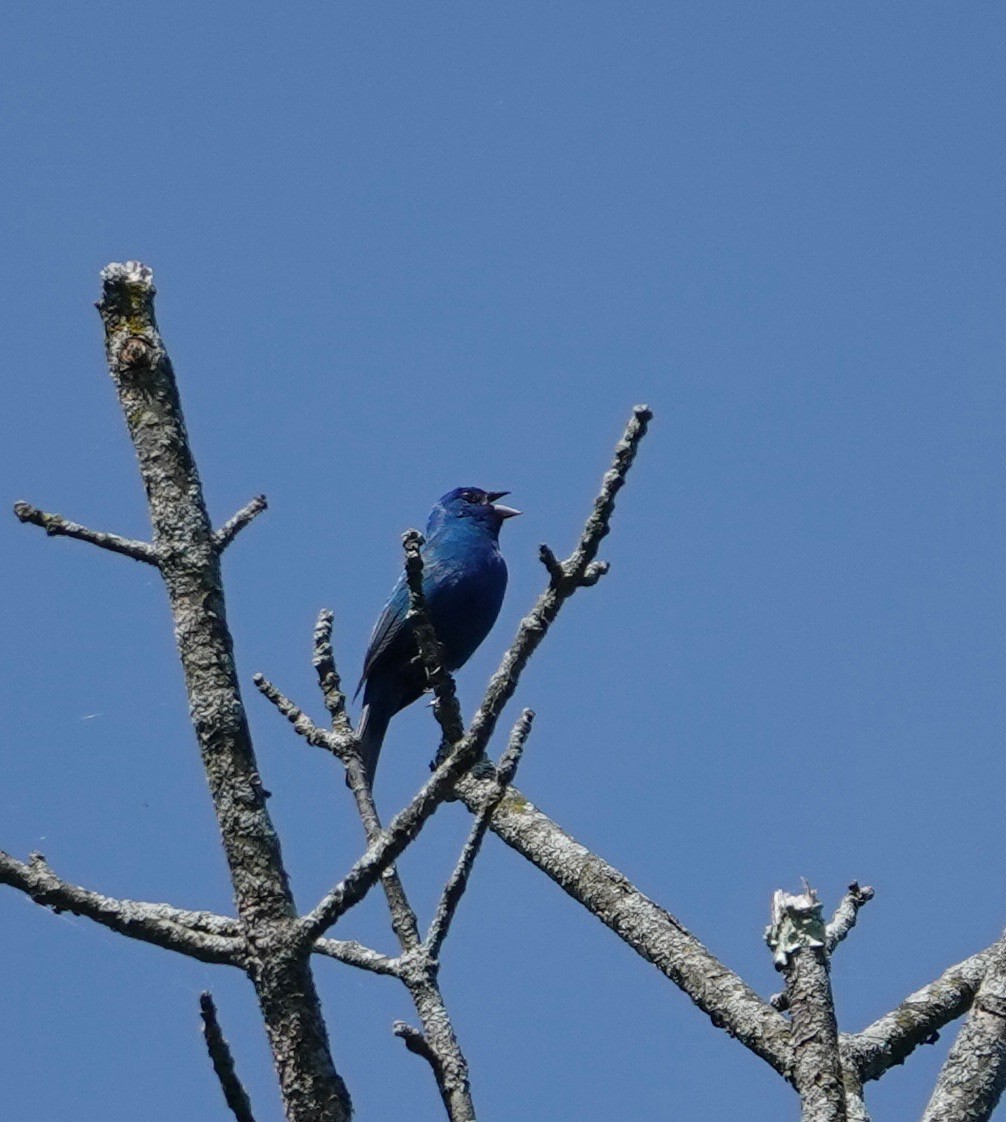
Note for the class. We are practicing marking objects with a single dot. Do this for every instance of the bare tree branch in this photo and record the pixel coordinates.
(455, 887)
(918, 1019)
(974, 1074)
(796, 937)
(356, 954)
(445, 702)
(190, 565)
(223, 1062)
(844, 919)
(577, 571)
(646, 927)
(302, 723)
(57, 526)
(390, 844)
(223, 537)
(855, 1105)
(328, 675)
(417, 968)
(159, 924)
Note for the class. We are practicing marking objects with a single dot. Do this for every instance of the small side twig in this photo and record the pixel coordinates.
(455, 887)
(302, 723)
(416, 1043)
(55, 525)
(223, 1062)
(356, 954)
(328, 676)
(844, 919)
(223, 537)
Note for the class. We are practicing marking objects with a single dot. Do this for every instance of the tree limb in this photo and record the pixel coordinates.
(159, 924)
(278, 962)
(974, 1074)
(646, 927)
(918, 1019)
(577, 571)
(55, 525)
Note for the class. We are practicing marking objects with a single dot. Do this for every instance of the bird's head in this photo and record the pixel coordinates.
(464, 503)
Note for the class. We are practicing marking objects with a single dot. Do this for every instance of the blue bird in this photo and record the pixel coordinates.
(464, 578)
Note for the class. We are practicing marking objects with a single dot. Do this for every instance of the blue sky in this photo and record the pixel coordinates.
(403, 247)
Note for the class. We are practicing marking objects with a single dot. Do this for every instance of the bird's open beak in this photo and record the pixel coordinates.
(504, 511)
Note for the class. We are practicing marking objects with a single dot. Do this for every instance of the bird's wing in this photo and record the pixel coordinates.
(386, 630)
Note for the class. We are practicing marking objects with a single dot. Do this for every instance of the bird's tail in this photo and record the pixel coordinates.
(373, 726)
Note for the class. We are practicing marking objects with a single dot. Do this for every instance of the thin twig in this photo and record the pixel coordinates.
(389, 845)
(223, 1062)
(455, 887)
(328, 675)
(844, 919)
(577, 571)
(356, 954)
(414, 1040)
(187, 933)
(445, 702)
(57, 526)
(302, 723)
(223, 537)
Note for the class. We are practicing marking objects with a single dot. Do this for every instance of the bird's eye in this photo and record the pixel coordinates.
(471, 497)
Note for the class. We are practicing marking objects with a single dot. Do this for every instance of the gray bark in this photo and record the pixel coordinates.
(974, 1074)
(651, 931)
(798, 937)
(188, 558)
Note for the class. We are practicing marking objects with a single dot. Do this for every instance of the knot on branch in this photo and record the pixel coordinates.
(135, 353)
(797, 922)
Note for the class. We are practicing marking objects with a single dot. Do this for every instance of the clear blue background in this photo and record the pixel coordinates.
(401, 247)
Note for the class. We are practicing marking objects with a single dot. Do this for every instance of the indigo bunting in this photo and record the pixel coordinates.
(464, 578)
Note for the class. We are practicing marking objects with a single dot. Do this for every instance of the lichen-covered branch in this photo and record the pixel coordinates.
(918, 1019)
(235, 1095)
(646, 927)
(223, 537)
(844, 919)
(796, 938)
(974, 1074)
(328, 676)
(57, 526)
(577, 571)
(187, 933)
(189, 561)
